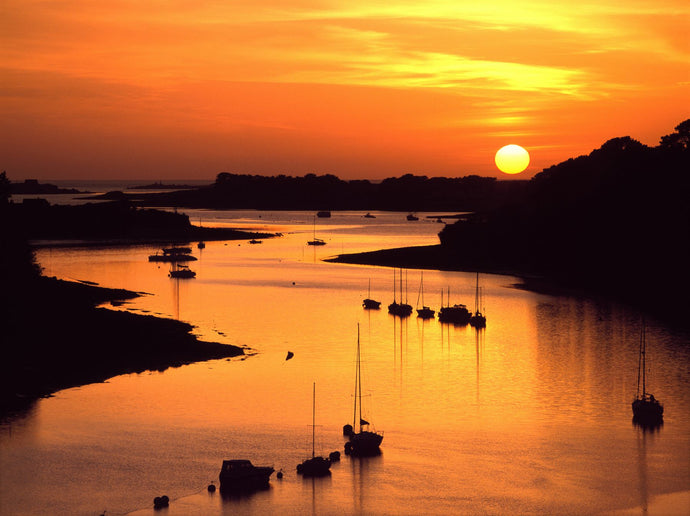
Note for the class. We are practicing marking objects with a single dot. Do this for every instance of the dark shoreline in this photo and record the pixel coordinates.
(57, 339)
(435, 257)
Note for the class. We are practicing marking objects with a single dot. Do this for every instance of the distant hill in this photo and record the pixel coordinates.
(616, 221)
(328, 192)
(33, 187)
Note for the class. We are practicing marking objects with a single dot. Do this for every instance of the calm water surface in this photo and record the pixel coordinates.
(529, 416)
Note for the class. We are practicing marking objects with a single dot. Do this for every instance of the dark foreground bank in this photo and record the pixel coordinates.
(54, 338)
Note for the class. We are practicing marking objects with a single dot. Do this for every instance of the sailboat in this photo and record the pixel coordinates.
(400, 309)
(478, 319)
(364, 441)
(646, 408)
(456, 314)
(424, 312)
(314, 466)
(369, 303)
(316, 241)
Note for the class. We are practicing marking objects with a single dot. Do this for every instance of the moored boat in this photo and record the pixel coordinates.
(181, 271)
(456, 314)
(362, 440)
(314, 466)
(368, 303)
(399, 309)
(424, 312)
(316, 241)
(173, 254)
(647, 410)
(478, 319)
(240, 475)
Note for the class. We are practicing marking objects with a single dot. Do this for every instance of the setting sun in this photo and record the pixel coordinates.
(512, 159)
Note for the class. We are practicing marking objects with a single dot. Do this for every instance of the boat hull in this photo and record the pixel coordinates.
(399, 309)
(364, 443)
(315, 467)
(647, 410)
(242, 475)
(457, 314)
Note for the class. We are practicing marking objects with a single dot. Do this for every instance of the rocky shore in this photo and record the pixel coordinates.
(55, 338)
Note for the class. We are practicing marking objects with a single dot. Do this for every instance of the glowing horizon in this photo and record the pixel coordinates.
(191, 89)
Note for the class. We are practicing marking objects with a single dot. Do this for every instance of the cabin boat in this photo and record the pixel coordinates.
(240, 475)
(182, 271)
(173, 254)
(368, 303)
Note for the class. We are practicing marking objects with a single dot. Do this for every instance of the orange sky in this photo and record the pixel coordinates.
(166, 89)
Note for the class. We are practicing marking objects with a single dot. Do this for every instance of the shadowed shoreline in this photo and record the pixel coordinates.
(58, 339)
(437, 257)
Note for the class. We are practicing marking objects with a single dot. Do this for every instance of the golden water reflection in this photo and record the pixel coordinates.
(530, 415)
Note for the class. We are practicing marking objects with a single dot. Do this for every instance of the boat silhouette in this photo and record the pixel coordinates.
(316, 241)
(424, 312)
(181, 271)
(242, 475)
(314, 466)
(399, 309)
(368, 303)
(478, 319)
(647, 410)
(362, 441)
(456, 314)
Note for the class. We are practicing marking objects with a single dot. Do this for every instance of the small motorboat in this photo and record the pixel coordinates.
(242, 475)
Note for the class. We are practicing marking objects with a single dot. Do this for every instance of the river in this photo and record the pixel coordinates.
(528, 416)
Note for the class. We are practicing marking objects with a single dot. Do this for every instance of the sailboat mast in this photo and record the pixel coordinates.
(354, 415)
(401, 290)
(644, 362)
(393, 286)
(476, 295)
(359, 381)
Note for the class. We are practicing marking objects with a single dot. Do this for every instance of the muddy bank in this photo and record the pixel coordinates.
(54, 338)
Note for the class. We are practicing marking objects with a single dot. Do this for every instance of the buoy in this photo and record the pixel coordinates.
(347, 430)
(279, 474)
(348, 448)
(211, 488)
(290, 354)
(334, 456)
